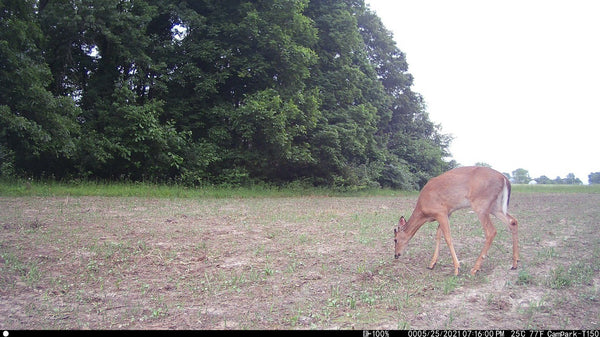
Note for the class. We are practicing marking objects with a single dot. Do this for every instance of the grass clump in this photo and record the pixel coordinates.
(578, 273)
(524, 277)
(52, 188)
(450, 284)
(540, 188)
(559, 278)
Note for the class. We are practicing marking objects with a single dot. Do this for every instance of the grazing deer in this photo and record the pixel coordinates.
(485, 190)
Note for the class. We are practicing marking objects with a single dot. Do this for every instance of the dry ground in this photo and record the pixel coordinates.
(289, 263)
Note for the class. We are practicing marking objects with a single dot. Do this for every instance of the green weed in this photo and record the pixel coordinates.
(51, 188)
(578, 273)
(524, 277)
(547, 253)
(269, 271)
(450, 284)
(29, 272)
(559, 278)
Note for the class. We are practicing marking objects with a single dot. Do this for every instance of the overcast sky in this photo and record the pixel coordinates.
(517, 83)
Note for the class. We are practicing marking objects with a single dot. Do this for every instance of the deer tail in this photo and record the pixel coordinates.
(505, 196)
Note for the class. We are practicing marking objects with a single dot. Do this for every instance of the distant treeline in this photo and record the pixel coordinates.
(521, 176)
(210, 92)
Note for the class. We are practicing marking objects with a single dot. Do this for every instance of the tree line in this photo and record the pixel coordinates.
(210, 91)
(521, 176)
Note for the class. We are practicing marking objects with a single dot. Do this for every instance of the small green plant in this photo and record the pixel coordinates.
(293, 266)
(582, 273)
(450, 284)
(141, 246)
(450, 320)
(490, 298)
(548, 252)
(559, 278)
(368, 298)
(403, 325)
(303, 238)
(268, 270)
(524, 277)
(333, 302)
(33, 275)
(351, 302)
(158, 312)
(145, 288)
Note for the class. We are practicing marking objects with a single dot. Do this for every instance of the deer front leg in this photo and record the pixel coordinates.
(445, 228)
(438, 237)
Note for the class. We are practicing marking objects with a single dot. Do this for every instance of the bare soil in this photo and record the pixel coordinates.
(290, 263)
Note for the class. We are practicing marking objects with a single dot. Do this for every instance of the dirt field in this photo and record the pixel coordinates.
(290, 263)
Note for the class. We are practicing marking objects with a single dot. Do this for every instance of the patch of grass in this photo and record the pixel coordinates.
(536, 307)
(51, 188)
(29, 272)
(269, 271)
(579, 273)
(547, 253)
(559, 278)
(520, 188)
(450, 284)
(582, 273)
(524, 277)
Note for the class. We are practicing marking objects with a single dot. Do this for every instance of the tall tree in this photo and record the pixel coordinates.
(38, 130)
(238, 85)
(353, 99)
(101, 57)
(416, 145)
(521, 176)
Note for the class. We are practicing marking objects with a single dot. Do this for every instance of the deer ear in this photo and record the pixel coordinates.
(402, 222)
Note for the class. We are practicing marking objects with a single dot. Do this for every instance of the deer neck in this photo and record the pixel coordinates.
(415, 222)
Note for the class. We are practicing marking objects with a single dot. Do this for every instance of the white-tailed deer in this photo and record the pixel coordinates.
(485, 190)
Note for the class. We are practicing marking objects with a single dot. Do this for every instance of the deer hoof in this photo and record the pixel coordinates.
(432, 266)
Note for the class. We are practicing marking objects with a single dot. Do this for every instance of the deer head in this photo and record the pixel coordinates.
(400, 238)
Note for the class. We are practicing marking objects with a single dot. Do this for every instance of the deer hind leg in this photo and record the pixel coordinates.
(444, 226)
(436, 252)
(513, 226)
(490, 233)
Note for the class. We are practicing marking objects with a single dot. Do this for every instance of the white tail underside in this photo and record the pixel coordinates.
(505, 199)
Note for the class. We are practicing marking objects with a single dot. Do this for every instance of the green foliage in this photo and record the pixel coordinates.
(553, 188)
(135, 144)
(577, 273)
(78, 187)
(524, 277)
(38, 131)
(211, 92)
(594, 178)
(569, 180)
(520, 176)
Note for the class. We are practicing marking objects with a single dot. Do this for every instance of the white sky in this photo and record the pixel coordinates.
(517, 82)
